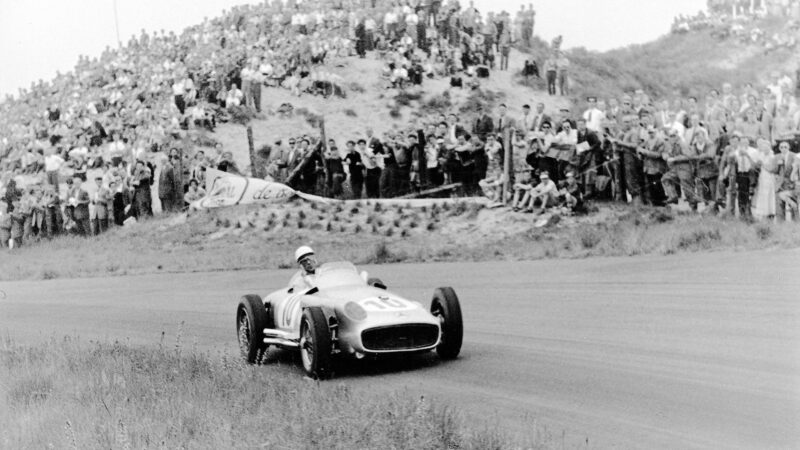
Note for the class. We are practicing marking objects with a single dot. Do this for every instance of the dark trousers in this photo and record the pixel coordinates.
(357, 186)
(632, 167)
(52, 221)
(100, 225)
(333, 184)
(388, 181)
(373, 183)
(653, 190)
(743, 193)
(435, 177)
(563, 83)
(403, 182)
(180, 103)
(255, 90)
(551, 82)
(83, 226)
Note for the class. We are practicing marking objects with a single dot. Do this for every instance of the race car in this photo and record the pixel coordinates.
(344, 312)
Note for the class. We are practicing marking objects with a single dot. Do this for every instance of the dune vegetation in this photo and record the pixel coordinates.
(264, 237)
(70, 394)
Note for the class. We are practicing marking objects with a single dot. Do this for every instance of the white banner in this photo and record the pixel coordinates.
(226, 189)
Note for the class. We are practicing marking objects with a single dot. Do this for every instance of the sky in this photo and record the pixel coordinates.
(40, 37)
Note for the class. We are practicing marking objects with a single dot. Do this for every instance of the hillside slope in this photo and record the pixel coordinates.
(369, 104)
(681, 64)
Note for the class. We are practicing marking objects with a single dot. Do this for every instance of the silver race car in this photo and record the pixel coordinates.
(344, 312)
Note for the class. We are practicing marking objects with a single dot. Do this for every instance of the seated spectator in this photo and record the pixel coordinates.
(545, 193)
(194, 193)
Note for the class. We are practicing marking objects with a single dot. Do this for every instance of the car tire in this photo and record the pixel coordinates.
(315, 344)
(376, 282)
(446, 306)
(251, 319)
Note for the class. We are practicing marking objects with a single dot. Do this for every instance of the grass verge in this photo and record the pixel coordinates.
(71, 394)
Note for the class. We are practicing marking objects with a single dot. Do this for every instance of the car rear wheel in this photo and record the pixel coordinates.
(251, 319)
(315, 343)
(446, 307)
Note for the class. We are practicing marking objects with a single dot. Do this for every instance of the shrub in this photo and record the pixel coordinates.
(763, 232)
(589, 238)
(702, 238)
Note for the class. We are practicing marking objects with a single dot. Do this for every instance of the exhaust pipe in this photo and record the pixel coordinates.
(281, 342)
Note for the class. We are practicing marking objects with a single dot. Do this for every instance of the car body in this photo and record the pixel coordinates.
(340, 311)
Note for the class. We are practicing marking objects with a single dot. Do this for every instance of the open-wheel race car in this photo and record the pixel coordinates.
(346, 313)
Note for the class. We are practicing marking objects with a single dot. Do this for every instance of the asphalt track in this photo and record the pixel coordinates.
(690, 351)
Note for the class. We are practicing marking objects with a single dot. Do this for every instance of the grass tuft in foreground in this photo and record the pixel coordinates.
(70, 394)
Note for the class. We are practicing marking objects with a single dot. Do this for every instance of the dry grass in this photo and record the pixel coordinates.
(71, 394)
(263, 237)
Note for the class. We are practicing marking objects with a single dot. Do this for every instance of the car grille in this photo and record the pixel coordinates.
(400, 337)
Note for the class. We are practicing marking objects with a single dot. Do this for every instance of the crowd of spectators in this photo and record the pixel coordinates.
(731, 151)
(424, 41)
(113, 139)
(740, 20)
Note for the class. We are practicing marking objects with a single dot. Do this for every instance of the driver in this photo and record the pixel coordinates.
(308, 265)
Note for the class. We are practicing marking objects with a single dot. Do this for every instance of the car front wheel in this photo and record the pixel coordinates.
(315, 343)
(446, 307)
(251, 319)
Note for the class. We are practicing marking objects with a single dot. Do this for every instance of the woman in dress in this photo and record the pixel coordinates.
(765, 198)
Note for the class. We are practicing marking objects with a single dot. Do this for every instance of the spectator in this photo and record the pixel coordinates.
(194, 193)
(141, 180)
(335, 171)
(765, 198)
(101, 200)
(355, 169)
(492, 184)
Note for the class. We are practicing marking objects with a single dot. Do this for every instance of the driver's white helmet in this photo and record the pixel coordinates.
(302, 252)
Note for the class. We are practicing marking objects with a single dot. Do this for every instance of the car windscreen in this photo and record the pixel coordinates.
(335, 274)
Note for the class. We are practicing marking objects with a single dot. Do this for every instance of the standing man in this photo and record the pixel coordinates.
(256, 81)
(680, 161)
(373, 172)
(166, 186)
(81, 211)
(654, 165)
(102, 197)
(563, 75)
(744, 158)
(355, 169)
(589, 148)
(483, 124)
(52, 165)
(540, 118)
(336, 175)
(551, 72)
(141, 190)
(631, 165)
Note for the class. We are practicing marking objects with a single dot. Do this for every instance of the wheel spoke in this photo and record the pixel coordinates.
(244, 335)
(307, 348)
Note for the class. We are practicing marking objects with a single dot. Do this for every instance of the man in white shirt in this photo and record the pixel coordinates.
(546, 192)
(593, 116)
(52, 164)
(745, 158)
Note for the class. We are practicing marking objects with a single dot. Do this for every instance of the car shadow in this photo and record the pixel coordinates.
(346, 366)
